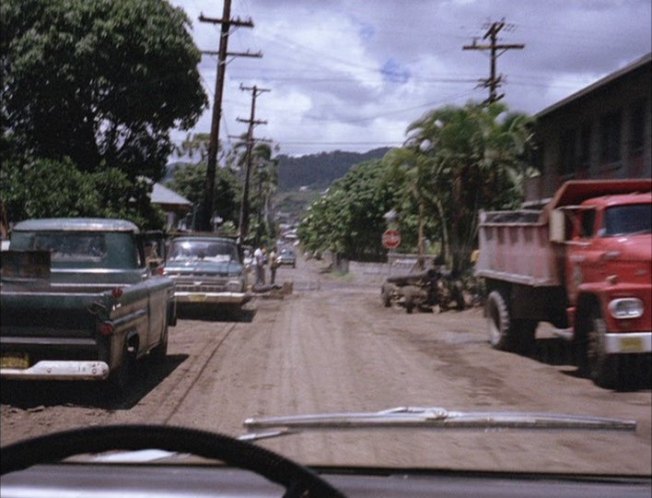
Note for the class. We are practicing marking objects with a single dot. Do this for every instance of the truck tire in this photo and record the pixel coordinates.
(120, 377)
(602, 367)
(505, 332)
(498, 321)
(409, 305)
(386, 297)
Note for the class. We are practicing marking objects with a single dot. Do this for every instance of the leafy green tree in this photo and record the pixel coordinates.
(411, 170)
(467, 159)
(47, 188)
(265, 184)
(100, 82)
(349, 219)
(455, 162)
(195, 144)
(190, 179)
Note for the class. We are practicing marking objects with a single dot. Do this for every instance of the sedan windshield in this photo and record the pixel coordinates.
(188, 250)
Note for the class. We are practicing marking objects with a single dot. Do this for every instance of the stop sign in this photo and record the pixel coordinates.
(391, 239)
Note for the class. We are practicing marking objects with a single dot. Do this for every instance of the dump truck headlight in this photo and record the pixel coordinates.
(630, 307)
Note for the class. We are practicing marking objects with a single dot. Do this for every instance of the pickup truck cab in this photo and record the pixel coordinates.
(208, 271)
(79, 302)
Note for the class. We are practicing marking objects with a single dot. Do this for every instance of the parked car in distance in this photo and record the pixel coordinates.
(287, 257)
(208, 271)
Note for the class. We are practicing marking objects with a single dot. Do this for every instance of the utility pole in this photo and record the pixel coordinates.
(494, 81)
(206, 215)
(244, 206)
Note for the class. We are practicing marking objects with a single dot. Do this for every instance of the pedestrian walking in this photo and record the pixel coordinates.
(273, 265)
(259, 262)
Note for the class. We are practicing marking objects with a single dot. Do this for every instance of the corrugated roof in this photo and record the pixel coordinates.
(164, 196)
(75, 224)
(600, 83)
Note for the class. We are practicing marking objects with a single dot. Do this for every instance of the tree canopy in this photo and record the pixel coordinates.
(189, 180)
(455, 162)
(100, 83)
(47, 188)
(348, 219)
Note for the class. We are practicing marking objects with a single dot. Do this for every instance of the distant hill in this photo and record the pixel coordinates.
(318, 171)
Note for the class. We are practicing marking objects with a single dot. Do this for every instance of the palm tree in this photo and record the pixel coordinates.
(463, 159)
(261, 172)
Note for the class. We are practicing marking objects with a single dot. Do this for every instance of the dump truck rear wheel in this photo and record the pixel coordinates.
(498, 321)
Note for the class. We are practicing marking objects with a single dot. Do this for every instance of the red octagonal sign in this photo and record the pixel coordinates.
(391, 239)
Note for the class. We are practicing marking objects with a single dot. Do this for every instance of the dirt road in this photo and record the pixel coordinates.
(331, 347)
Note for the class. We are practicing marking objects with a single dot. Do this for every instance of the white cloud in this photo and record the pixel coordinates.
(351, 75)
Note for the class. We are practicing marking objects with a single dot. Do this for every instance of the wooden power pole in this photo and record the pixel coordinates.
(206, 213)
(494, 81)
(252, 121)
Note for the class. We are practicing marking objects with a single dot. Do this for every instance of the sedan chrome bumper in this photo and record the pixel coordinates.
(212, 297)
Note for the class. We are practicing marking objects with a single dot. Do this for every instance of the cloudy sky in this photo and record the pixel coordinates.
(352, 75)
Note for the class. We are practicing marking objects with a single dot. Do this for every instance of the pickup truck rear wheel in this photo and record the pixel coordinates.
(119, 378)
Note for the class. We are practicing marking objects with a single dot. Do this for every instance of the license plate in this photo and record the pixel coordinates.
(197, 298)
(631, 345)
(14, 360)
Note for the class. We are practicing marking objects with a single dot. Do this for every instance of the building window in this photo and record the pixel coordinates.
(610, 126)
(637, 129)
(567, 153)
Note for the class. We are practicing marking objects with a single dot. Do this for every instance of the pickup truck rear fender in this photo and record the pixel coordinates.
(122, 345)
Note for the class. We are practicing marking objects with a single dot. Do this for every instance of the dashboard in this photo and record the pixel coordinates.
(64, 480)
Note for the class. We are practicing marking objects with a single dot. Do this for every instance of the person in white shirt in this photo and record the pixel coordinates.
(259, 263)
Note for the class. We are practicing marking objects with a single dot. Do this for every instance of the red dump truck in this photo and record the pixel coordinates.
(583, 263)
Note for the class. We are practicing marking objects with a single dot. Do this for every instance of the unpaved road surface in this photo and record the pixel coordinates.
(332, 347)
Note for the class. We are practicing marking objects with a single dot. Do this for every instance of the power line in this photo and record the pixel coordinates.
(225, 23)
(252, 121)
(494, 81)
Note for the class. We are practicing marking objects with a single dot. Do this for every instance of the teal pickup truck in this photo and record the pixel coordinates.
(79, 302)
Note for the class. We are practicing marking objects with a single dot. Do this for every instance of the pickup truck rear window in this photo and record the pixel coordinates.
(81, 249)
(628, 220)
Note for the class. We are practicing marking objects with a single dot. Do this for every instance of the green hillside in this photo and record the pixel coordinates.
(318, 171)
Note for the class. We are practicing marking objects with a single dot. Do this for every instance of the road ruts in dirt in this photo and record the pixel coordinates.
(331, 346)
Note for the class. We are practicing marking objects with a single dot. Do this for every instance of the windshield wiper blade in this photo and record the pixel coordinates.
(430, 418)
